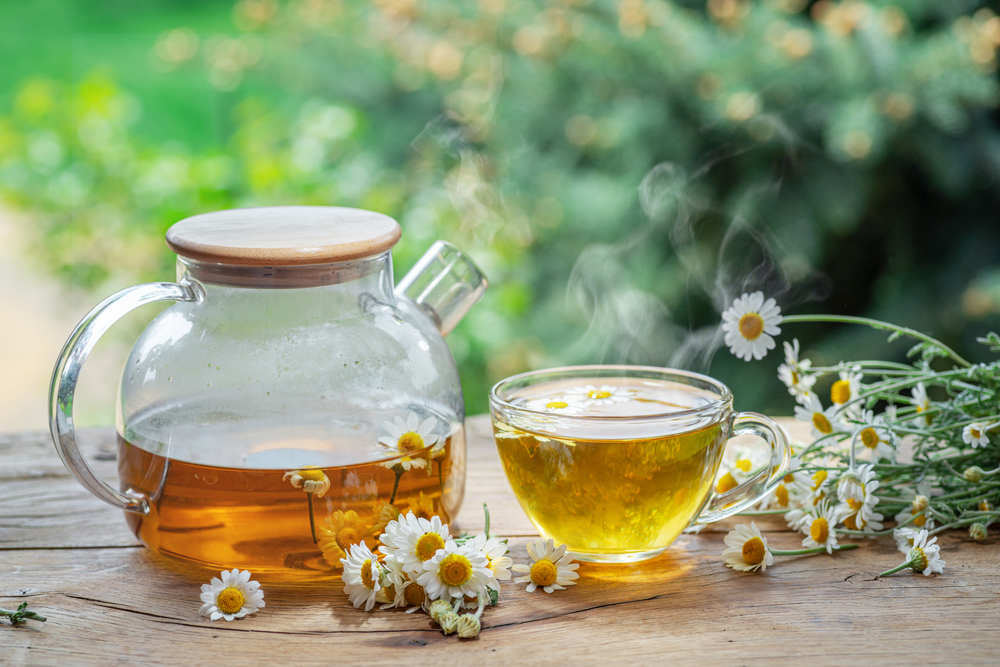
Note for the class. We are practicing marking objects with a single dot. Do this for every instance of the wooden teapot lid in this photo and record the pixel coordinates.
(283, 235)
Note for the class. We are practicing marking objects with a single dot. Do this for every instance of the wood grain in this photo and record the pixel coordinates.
(110, 601)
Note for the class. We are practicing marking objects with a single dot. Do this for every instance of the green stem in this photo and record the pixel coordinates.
(398, 469)
(441, 480)
(312, 522)
(896, 569)
(486, 511)
(877, 324)
(814, 550)
(20, 614)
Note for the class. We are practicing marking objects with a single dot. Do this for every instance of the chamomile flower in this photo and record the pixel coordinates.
(821, 531)
(496, 555)
(590, 395)
(921, 401)
(817, 490)
(408, 437)
(422, 506)
(384, 513)
(798, 519)
(552, 569)
(231, 596)
(310, 480)
(558, 404)
(848, 387)
(338, 532)
(749, 325)
(904, 538)
(857, 493)
(924, 556)
(824, 422)
(362, 576)
(406, 592)
(975, 434)
(414, 540)
(795, 373)
(877, 438)
(456, 571)
(747, 549)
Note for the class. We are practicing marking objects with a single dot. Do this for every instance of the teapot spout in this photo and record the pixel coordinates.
(444, 283)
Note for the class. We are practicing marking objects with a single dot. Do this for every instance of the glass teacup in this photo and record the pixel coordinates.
(616, 461)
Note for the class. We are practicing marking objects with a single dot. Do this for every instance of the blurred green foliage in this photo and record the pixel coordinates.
(621, 170)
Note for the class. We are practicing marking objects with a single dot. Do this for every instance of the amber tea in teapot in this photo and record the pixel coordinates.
(292, 401)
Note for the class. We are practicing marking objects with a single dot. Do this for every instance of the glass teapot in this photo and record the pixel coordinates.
(291, 402)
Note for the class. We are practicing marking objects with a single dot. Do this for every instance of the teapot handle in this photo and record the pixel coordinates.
(67, 373)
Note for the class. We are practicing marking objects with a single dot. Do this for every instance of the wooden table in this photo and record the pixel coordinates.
(110, 601)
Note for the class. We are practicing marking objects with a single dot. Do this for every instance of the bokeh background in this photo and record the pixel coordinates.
(620, 169)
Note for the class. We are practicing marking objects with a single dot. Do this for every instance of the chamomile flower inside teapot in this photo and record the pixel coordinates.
(292, 401)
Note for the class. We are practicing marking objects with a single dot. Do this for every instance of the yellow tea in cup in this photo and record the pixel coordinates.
(616, 461)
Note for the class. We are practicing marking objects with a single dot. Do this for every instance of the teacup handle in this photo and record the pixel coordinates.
(67, 372)
(763, 482)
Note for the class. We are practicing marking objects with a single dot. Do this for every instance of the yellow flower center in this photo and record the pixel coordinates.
(455, 569)
(347, 536)
(410, 442)
(743, 464)
(727, 483)
(819, 498)
(557, 405)
(753, 551)
(751, 326)
(795, 377)
(818, 479)
(414, 595)
(544, 573)
(840, 392)
(428, 545)
(781, 494)
(869, 438)
(366, 575)
(976, 433)
(985, 506)
(312, 475)
(854, 504)
(822, 424)
(596, 393)
(850, 522)
(919, 521)
(918, 559)
(229, 601)
(789, 478)
(819, 530)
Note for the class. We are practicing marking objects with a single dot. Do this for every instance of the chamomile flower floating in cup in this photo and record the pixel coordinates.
(231, 596)
(310, 480)
(456, 571)
(362, 576)
(588, 395)
(747, 549)
(749, 325)
(552, 569)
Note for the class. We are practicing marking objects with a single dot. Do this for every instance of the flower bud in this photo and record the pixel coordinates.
(985, 506)
(977, 531)
(919, 504)
(973, 474)
(468, 626)
(437, 609)
(448, 622)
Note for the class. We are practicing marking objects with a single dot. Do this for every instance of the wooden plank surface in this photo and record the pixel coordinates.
(110, 601)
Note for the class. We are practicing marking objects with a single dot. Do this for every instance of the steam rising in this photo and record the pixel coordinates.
(722, 255)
